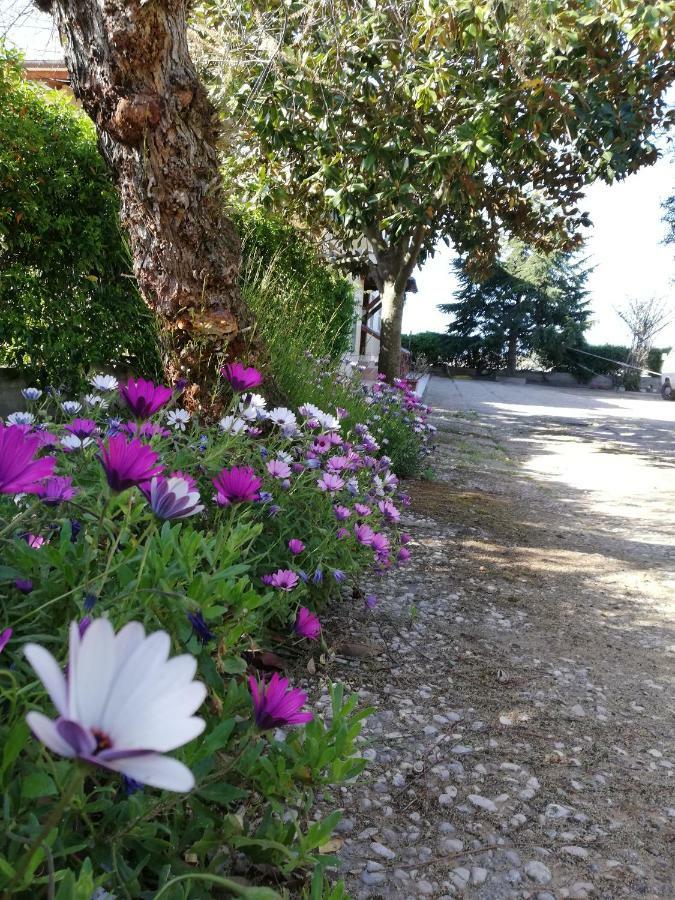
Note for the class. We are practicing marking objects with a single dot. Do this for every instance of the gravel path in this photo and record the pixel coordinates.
(521, 668)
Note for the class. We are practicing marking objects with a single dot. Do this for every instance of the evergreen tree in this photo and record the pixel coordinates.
(530, 302)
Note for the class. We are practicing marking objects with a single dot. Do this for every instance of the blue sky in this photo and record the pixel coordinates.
(624, 244)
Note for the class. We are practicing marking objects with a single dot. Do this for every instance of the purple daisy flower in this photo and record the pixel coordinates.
(389, 511)
(339, 576)
(82, 428)
(276, 703)
(380, 544)
(236, 485)
(317, 577)
(199, 627)
(341, 512)
(331, 483)
(241, 378)
(403, 555)
(25, 585)
(342, 533)
(143, 397)
(284, 580)
(295, 546)
(278, 469)
(371, 601)
(127, 463)
(362, 509)
(20, 472)
(307, 625)
(364, 534)
(57, 489)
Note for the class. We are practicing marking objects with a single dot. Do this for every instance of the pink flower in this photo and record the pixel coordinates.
(364, 534)
(295, 546)
(362, 509)
(34, 541)
(143, 397)
(127, 463)
(20, 472)
(338, 463)
(237, 485)
(403, 555)
(4, 638)
(307, 625)
(405, 537)
(331, 483)
(342, 533)
(276, 703)
(284, 580)
(57, 489)
(240, 377)
(278, 469)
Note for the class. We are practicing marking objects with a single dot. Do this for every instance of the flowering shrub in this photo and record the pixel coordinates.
(148, 749)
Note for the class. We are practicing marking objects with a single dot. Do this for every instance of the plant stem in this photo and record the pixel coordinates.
(239, 890)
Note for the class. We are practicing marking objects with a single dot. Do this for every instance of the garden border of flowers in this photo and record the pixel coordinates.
(159, 594)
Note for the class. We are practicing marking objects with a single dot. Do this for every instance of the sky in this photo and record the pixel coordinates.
(624, 243)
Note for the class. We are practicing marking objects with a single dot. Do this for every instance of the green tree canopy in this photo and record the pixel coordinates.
(531, 302)
(390, 124)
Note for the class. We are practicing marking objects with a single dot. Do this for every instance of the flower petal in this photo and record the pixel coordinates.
(155, 770)
(44, 730)
(94, 672)
(134, 680)
(49, 672)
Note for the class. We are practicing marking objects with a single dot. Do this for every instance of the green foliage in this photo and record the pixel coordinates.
(585, 367)
(472, 352)
(377, 124)
(530, 303)
(67, 299)
(313, 305)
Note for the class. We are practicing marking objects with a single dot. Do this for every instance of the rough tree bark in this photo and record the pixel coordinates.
(130, 68)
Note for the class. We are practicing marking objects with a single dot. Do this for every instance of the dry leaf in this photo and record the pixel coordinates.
(358, 651)
(331, 846)
(311, 666)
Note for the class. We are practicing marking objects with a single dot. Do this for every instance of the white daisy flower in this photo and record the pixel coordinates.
(283, 417)
(71, 407)
(104, 382)
(21, 418)
(178, 418)
(73, 442)
(232, 425)
(123, 703)
(32, 393)
(93, 400)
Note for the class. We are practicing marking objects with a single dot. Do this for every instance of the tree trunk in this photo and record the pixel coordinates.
(393, 299)
(512, 353)
(130, 68)
(391, 270)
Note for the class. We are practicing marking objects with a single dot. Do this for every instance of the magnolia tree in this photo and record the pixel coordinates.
(130, 68)
(389, 125)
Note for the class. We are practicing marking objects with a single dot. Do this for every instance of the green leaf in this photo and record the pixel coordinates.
(38, 784)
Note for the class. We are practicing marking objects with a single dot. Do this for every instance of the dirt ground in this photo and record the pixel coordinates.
(522, 744)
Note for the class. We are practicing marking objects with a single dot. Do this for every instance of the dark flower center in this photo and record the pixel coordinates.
(103, 742)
